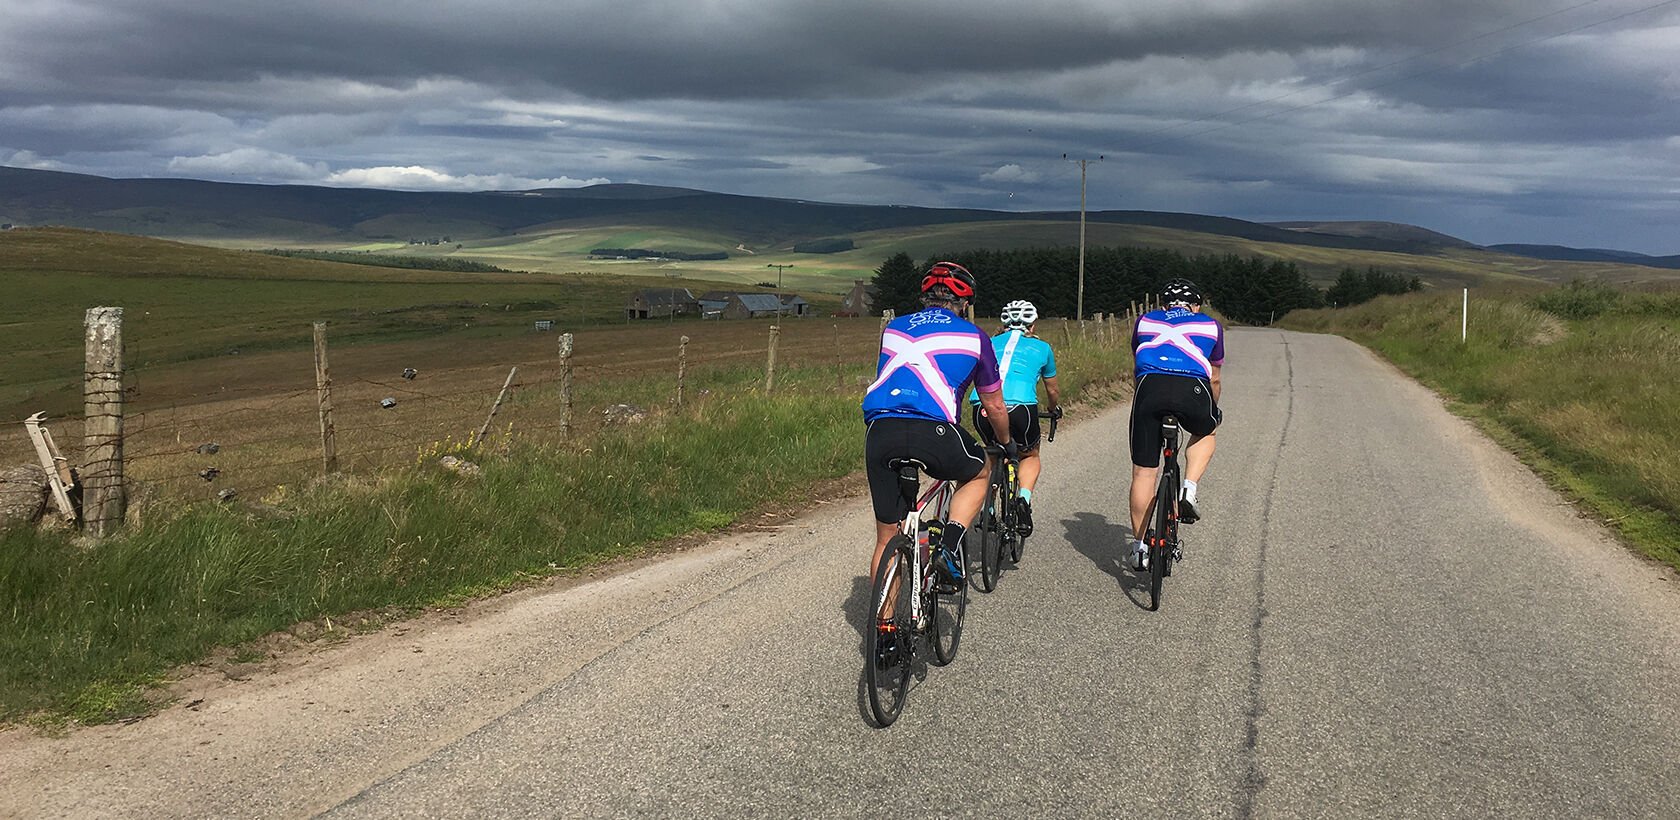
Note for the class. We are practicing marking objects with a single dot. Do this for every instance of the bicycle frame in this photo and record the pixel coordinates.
(936, 505)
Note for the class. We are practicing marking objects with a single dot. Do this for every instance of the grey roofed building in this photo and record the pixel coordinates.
(751, 306)
(860, 301)
(795, 305)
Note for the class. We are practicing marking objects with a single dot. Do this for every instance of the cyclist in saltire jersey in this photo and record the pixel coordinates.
(1178, 351)
(1023, 360)
(928, 361)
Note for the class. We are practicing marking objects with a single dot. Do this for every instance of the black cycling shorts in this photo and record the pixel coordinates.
(944, 451)
(1023, 426)
(1159, 394)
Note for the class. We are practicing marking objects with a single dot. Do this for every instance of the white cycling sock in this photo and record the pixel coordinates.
(1190, 491)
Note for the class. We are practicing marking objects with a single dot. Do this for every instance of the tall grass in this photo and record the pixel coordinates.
(84, 631)
(1584, 379)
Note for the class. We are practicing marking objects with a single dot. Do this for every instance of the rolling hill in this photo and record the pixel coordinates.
(554, 230)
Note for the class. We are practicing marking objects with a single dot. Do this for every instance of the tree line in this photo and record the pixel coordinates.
(1250, 290)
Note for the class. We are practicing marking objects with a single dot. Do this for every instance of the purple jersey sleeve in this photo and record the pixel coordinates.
(986, 376)
(1217, 357)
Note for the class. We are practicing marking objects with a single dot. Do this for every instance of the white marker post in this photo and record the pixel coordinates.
(1464, 328)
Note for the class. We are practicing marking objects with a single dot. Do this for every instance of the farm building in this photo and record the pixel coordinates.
(658, 303)
(726, 304)
(860, 301)
(750, 306)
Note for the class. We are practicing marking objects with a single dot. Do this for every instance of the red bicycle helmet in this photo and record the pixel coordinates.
(953, 276)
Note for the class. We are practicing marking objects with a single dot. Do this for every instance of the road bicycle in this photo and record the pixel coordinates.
(1161, 520)
(924, 610)
(998, 526)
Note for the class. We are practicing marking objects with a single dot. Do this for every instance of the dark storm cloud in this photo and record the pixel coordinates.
(1460, 113)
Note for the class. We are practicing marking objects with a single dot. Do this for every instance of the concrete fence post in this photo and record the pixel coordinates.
(565, 385)
(682, 367)
(104, 501)
(324, 402)
(770, 363)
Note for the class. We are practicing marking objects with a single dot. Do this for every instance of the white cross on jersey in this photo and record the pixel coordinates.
(1178, 337)
(917, 354)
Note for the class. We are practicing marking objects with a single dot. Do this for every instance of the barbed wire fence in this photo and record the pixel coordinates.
(392, 408)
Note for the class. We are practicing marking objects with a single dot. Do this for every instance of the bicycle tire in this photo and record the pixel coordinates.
(945, 624)
(1017, 541)
(1160, 552)
(889, 680)
(987, 528)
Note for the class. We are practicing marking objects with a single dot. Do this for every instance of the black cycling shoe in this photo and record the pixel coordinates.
(886, 644)
(950, 572)
(1023, 518)
(1187, 511)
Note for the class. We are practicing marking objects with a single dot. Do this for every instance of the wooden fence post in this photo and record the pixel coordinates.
(682, 367)
(770, 364)
(838, 366)
(485, 430)
(565, 386)
(886, 316)
(323, 393)
(104, 502)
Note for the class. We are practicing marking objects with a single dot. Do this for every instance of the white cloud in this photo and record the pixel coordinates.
(29, 159)
(1010, 173)
(419, 177)
(248, 162)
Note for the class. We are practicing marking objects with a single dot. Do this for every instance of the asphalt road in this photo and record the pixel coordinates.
(1382, 614)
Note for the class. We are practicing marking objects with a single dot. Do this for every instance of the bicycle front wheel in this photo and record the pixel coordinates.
(988, 529)
(887, 650)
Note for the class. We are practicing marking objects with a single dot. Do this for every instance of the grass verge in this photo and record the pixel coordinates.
(1582, 382)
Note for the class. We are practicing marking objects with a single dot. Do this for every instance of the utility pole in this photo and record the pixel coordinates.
(1080, 310)
(779, 269)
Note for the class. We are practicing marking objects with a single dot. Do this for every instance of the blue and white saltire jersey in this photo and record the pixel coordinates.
(928, 359)
(1022, 361)
(1178, 342)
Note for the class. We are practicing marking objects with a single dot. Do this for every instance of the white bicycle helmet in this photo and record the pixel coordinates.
(1019, 314)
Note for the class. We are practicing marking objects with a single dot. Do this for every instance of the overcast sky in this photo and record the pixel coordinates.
(1539, 121)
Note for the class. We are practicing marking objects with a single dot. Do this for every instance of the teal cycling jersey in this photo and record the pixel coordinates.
(1022, 360)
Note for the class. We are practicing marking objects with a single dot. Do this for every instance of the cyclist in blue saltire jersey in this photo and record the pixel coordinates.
(928, 361)
(1023, 360)
(1177, 355)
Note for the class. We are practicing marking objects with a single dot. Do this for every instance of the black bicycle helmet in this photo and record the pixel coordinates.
(1181, 292)
(953, 276)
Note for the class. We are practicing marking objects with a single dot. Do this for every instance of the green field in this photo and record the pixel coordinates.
(187, 303)
(565, 249)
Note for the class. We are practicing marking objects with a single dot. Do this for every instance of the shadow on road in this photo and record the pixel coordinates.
(1104, 542)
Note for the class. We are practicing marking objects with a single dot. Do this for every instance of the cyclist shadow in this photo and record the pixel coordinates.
(1104, 542)
(856, 610)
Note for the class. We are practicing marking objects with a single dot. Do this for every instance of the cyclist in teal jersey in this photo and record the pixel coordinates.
(1023, 359)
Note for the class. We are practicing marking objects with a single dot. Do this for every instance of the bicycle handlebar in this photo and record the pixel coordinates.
(1053, 417)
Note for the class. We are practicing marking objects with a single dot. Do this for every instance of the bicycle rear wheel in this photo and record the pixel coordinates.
(887, 652)
(988, 529)
(1160, 551)
(945, 627)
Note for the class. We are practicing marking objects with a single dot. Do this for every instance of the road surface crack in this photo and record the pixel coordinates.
(1253, 779)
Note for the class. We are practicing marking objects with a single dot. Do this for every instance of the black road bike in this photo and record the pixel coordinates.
(998, 526)
(1161, 521)
(909, 605)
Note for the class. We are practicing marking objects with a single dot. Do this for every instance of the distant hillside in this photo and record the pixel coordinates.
(194, 209)
(1391, 231)
(1566, 254)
